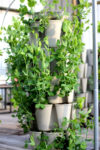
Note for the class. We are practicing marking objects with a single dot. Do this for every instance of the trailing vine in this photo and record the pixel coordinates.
(30, 57)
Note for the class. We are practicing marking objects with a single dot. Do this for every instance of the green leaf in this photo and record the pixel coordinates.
(46, 40)
(55, 1)
(83, 145)
(32, 142)
(40, 44)
(13, 115)
(0, 31)
(87, 28)
(60, 7)
(30, 55)
(23, 9)
(88, 140)
(0, 53)
(31, 3)
(22, 1)
(80, 102)
(65, 121)
(58, 42)
(41, 106)
(26, 144)
(43, 2)
(36, 35)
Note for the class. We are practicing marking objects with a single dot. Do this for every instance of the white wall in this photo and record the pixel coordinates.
(88, 36)
(6, 3)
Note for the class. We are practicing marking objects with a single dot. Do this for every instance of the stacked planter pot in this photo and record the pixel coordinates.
(58, 107)
(90, 79)
(62, 107)
(54, 112)
(85, 78)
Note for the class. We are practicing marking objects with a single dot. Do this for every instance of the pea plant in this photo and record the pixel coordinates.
(30, 58)
(69, 139)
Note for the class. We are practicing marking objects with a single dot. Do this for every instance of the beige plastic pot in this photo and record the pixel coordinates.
(81, 72)
(70, 98)
(63, 110)
(52, 136)
(43, 117)
(90, 58)
(33, 39)
(90, 71)
(55, 99)
(54, 32)
(53, 119)
(85, 70)
(84, 85)
(36, 136)
(84, 56)
(73, 111)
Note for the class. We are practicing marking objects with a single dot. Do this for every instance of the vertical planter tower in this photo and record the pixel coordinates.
(86, 79)
(43, 64)
(58, 107)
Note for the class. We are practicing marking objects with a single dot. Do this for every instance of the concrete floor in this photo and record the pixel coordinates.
(13, 138)
(11, 134)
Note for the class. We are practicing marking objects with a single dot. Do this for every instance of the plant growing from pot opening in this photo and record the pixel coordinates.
(32, 51)
(69, 139)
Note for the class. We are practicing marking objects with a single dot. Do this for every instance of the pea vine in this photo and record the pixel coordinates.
(30, 56)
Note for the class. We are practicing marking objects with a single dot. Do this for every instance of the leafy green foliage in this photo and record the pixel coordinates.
(69, 139)
(69, 49)
(28, 67)
(31, 3)
(43, 143)
(30, 58)
(72, 139)
(0, 40)
(0, 53)
(32, 142)
(80, 102)
(22, 1)
(99, 27)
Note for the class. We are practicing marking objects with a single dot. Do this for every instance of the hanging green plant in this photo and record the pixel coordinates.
(31, 56)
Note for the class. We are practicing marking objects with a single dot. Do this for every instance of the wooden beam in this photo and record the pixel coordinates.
(98, 3)
(74, 2)
(11, 9)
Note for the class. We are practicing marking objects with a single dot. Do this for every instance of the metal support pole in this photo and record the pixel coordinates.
(10, 102)
(95, 62)
(5, 98)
